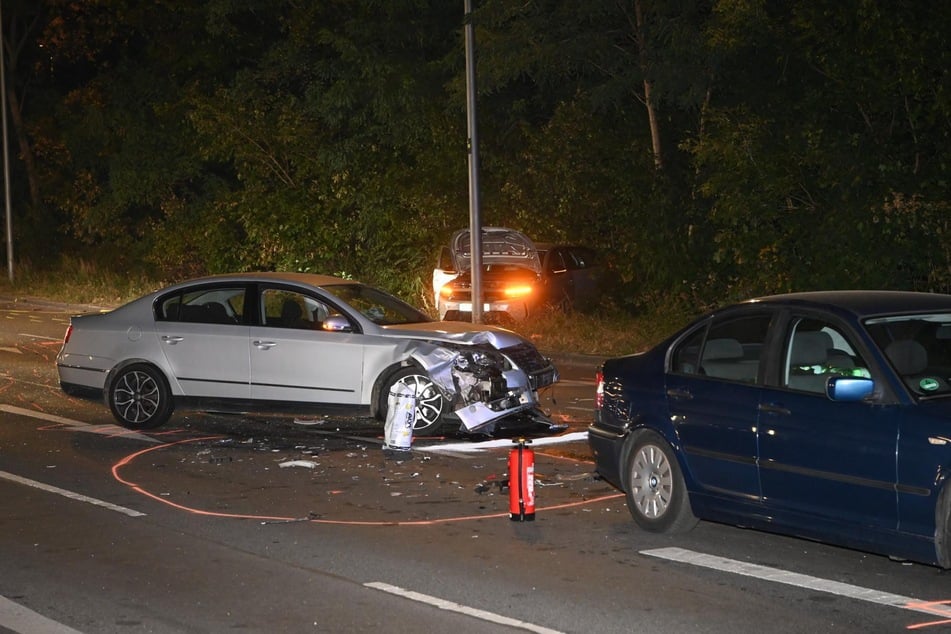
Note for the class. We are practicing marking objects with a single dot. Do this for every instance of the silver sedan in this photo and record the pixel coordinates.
(303, 342)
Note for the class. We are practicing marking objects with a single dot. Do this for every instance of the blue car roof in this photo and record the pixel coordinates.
(863, 304)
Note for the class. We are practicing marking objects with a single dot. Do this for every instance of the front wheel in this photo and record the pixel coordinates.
(430, 404)
(656, 493)
(139, 397)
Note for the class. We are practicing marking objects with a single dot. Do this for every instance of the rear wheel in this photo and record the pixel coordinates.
(430, 404)
(561, 302)
(655, 489)
(139, 397)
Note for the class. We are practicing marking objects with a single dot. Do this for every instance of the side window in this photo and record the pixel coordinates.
(815, 351)
(209, 305)
(281, 308)
(686, 357)
(731, 349)
(581, 258)
(556, 263)
(444, 261)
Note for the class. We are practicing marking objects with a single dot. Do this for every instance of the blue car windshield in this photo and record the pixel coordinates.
(378, 306)
(918, 347)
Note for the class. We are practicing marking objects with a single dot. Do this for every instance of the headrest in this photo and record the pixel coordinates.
(722, 349)
(810, 348)
(908, 356)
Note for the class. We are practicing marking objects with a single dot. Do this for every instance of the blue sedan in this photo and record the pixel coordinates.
(824, 415)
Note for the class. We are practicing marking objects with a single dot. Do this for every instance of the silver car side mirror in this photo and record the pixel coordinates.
(337, 323)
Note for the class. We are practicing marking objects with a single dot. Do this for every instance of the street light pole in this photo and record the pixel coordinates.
(6, 159)
(475, 219)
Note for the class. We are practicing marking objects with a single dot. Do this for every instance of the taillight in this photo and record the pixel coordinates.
(69, 332)
(599, 391)
(518, 291)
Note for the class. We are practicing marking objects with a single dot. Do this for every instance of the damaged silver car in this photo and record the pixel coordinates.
(297, 342)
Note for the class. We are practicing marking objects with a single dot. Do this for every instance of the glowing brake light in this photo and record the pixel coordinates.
(599, 391)
(69, 331)
(518, 291)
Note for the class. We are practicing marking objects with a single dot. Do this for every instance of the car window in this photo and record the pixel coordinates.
(282, 308)
(556, 263)
(580, 258)
(731, 349)
(204, 305)
(444, 261)
(376, 305)
(816, 350)
(918, 347)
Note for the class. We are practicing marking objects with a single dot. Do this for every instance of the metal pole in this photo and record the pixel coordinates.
(472, 145)
(6, 159)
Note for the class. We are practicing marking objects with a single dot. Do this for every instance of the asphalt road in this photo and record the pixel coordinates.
(217, 523)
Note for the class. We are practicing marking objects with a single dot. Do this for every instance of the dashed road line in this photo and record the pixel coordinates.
(12, 477)
(17, 618)
(76, 425)
(451, 606)
(777, 575)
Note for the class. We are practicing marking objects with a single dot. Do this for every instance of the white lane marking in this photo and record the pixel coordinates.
(799, 580)
(451, 606)
(19, 411)
(76, 425)
(12, 477)
(26, 334)
(504, 442)
(17, 618)
(9, 349)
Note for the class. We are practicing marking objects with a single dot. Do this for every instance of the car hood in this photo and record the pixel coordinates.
(457, 332)
(499, 246)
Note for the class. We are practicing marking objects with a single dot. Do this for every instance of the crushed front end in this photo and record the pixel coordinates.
(485, 385)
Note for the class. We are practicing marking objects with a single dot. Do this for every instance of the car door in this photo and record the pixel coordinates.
(557, 281)
(584, 270)
(826, 460)
(713, 393)
(294, 359)
(204, 337)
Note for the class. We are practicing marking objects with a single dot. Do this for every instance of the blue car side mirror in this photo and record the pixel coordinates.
(849, 388)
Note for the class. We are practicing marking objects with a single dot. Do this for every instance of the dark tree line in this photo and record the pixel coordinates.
(711, 149)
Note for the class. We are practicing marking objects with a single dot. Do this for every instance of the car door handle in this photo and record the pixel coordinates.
(773, 408)
(172, 339)
(682, 395)
(265, 345)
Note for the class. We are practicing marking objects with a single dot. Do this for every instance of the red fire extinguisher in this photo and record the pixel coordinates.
(522, 482)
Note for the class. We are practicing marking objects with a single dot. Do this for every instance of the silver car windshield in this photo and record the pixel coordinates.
(918, 348)
(378, 306)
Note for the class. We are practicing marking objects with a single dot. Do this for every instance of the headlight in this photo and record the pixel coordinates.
(482, 358)
(479, 361)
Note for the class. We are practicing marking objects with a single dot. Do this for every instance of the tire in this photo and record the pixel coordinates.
(139, 397)
(561, 303)
(430, 404)
(943, 527)
(654, 485)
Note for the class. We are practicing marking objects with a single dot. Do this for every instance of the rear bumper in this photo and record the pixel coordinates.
(88, 372)
(491, 311)
(607, 446)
